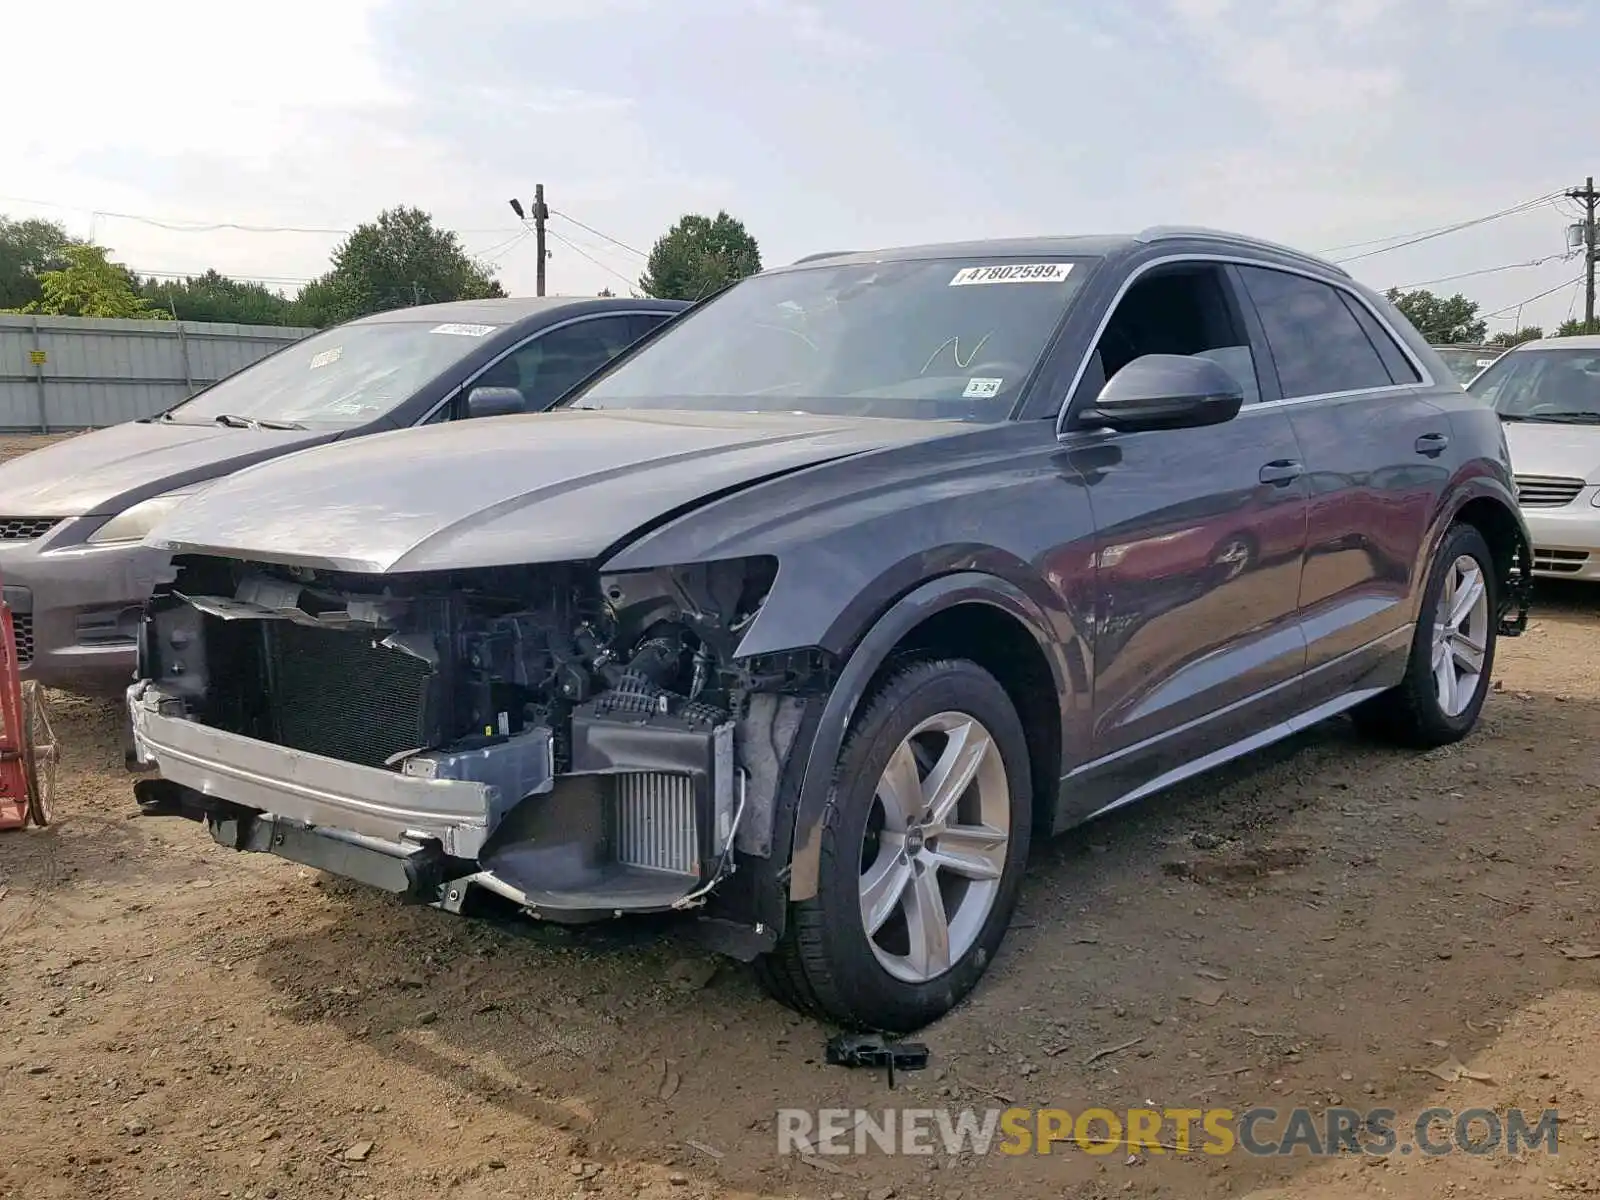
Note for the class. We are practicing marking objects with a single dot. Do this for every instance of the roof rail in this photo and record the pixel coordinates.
(822, 254)
(1165, 233)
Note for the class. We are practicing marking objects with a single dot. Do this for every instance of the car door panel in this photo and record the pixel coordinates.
(1198, 566)
(1199, 536)
(1376, 470)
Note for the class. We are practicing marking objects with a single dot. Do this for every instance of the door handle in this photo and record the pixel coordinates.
(1281, 472)
(1432, 444)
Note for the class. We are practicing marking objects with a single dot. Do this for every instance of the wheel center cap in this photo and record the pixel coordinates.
(915, 840)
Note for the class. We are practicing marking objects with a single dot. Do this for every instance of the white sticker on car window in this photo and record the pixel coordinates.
(463, 330)
(979, 388)
(326, 357)
(1013, 273)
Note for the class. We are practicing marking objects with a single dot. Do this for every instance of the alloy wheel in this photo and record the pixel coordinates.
(935, 847)
(1460, 635)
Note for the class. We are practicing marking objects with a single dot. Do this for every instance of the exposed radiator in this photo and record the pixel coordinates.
(336, 693)
(655, 822)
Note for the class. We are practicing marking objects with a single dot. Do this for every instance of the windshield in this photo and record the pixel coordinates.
(337, 378)
(1558, 386)
(941, 339)
(1465, 363)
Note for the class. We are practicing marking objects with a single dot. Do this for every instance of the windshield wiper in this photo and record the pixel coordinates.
(1573, 418)
(235, 421)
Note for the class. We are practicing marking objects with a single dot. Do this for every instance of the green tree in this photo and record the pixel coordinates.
(398, 260)
(697, 256)
(1443, 321)
(215, 297)
(27, 250)
(89, 285)
(1528, 333)
(1577, 328)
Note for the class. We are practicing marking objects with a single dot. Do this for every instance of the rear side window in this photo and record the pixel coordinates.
(1400, 367)
(1316, 342)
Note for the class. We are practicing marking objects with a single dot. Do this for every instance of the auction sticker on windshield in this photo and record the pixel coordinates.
(463, 330)
(1013, 273)
(981, 388)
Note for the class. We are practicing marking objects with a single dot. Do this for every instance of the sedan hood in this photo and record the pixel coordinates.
(503, 491)
(1554, 449)
(104, 471)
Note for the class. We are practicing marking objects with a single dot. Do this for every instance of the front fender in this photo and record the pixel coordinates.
(850, 689)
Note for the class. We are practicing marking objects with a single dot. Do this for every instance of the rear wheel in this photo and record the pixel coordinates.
(1452, 651)
(923, 851)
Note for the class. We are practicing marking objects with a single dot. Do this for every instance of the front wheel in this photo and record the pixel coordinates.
(1452, 650)
(923, 851)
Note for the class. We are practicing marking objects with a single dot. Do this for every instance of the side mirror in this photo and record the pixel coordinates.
(495, 402)
(1165, 391)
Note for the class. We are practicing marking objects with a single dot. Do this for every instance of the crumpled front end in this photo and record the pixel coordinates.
(568, 741)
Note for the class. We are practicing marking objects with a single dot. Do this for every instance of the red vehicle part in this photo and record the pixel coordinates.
(28, 750)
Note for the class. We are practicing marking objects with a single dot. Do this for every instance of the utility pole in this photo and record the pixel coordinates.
(1587, 196)
(540, 212)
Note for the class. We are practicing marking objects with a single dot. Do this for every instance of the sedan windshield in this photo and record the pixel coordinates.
(940, 339)
(338, 378)
(1555, 386)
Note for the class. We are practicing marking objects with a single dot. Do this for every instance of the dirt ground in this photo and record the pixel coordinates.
(1317, 926)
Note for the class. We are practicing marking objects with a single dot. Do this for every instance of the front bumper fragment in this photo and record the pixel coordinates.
(458, 813)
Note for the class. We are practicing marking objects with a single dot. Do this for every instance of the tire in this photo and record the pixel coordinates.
(1413, 713)
(39, 754)
(827, 964)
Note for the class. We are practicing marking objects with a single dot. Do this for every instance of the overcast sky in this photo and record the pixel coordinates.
(823, 125)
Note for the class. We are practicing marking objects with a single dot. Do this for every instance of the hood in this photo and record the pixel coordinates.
(104, 471)
(502, 491)
(1551, 449)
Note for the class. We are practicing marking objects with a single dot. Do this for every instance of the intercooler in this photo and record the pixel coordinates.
(655, 824)
(340, 694)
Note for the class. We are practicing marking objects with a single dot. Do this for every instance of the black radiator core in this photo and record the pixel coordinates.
(339, 694)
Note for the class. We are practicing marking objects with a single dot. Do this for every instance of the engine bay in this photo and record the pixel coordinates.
(450, 661)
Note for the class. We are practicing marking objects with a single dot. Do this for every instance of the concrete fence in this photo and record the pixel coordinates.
(64, 373)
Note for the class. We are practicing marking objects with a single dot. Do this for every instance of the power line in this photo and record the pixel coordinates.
(1536, 262)
(175, 225)
(273, 279)
(1437, 229)
(1429, 235)
(581, 253)
(1500, 312)
(605, 237)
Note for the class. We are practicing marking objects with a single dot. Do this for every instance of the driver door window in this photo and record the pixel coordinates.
(1186, 310)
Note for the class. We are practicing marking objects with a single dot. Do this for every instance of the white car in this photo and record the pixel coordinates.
(1548, 396)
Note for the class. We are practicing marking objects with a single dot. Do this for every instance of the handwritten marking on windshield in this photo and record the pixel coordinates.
(955, 352)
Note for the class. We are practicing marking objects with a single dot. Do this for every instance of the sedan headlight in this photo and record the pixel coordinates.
(131, 524)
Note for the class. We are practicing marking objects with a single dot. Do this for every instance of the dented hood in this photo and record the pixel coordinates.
(503, 491)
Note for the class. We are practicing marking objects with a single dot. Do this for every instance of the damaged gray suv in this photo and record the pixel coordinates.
(806, 616)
